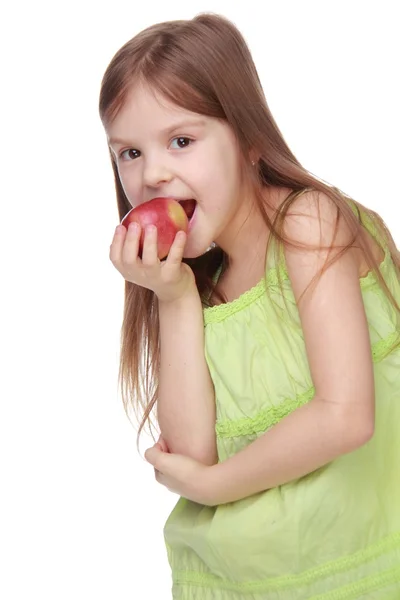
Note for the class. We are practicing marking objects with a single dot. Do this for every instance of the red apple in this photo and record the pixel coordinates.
(166, 214)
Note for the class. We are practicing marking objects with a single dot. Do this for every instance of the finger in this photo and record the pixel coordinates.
(149, 254)
(151, 454)
(175, 254)
(155, 456)
(117, 244)
(131, 247)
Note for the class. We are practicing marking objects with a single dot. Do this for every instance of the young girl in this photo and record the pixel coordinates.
(268, 339)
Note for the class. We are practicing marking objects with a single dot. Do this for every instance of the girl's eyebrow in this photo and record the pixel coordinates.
(113, 141)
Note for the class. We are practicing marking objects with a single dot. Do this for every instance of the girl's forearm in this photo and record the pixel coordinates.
(309, 438)
(186, 403)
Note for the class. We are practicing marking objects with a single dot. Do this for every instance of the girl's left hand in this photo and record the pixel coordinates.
(181, 474)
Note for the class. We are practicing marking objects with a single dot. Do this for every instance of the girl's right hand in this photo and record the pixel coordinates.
(169, 279)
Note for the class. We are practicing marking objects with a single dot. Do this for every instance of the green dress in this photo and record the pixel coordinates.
(331, 535)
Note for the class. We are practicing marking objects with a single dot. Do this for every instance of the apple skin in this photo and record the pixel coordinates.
(166, 214)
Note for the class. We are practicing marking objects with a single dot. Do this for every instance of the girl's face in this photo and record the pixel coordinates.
(163, 150)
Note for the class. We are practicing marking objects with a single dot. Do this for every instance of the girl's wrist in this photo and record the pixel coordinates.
(181, 294)
(189, 296)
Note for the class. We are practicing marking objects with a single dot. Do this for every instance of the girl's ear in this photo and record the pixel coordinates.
(254, 157)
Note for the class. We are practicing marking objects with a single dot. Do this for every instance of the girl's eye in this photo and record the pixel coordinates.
(131, 153)
(134, 154)
(183, 142)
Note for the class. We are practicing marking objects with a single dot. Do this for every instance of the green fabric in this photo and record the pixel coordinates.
(332, 535)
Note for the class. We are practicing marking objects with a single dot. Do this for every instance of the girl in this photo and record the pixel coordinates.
(268, 340)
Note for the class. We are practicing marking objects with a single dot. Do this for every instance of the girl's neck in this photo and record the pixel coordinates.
(246, 242)
(234, 281)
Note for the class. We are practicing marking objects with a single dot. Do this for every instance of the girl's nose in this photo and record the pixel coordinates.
(156, 172)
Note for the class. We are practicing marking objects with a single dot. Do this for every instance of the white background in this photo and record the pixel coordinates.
(81, 512)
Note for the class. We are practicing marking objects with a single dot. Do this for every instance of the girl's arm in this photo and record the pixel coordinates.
(340, 418)
(186, 404)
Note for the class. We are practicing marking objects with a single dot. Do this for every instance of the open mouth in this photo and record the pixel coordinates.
(189, 206)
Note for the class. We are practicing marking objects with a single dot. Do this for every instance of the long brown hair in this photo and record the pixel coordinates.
(204, 65)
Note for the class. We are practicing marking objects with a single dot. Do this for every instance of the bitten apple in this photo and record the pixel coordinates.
(166, 214)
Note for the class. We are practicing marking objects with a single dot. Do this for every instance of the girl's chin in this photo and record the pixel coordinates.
(194, 247)
(194, 252)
